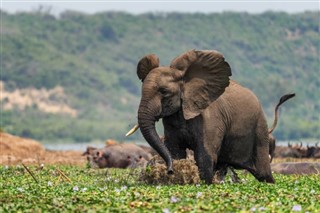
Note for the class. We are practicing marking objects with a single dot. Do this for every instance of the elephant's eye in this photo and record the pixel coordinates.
(163, 91)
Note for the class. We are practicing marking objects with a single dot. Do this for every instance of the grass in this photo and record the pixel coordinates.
(79, 189)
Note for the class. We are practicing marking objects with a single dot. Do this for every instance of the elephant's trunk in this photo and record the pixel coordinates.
(146, 120)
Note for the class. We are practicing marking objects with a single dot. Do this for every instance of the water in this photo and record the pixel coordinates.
(79, 146)
(304, 142)
(83, 146)
(71, 146)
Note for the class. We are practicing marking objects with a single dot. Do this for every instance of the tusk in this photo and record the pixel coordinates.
(135, 128)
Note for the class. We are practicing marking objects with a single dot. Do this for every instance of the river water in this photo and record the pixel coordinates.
(83, 146)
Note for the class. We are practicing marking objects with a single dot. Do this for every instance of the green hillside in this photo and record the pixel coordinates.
(94, 57)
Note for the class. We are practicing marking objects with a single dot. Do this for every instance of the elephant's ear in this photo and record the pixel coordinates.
(183, 61)
(206, 75)
(146, 64)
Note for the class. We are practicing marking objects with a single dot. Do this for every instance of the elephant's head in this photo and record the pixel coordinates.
(192, 81)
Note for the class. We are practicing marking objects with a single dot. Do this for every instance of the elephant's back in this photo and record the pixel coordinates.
(243, 108)
(241, 98)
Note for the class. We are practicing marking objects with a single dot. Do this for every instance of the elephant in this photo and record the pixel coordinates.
(202, 109)
(222, 171)
(119, 156)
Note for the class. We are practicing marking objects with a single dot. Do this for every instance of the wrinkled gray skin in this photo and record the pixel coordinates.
(120, 156)
(223, 169)
(201, 109)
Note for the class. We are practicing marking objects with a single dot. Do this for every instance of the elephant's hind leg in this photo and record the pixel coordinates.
(261, 159)
(263, 177)
(262, 170)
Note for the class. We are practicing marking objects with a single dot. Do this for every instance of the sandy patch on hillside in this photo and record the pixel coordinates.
(53, 101)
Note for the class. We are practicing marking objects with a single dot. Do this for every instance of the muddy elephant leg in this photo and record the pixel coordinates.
(206, 156)
(262, 162)
(263, 172)
(205, 165)
(207, 147)
(262, 176)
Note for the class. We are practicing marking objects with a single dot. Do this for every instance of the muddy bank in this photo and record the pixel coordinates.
(15, 150)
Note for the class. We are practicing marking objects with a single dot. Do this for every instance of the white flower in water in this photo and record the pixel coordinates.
(108, 178)
(136, 194)
(49, 183)
(199, 194)
(75, 188)
(253, 209)
(84, 189)
(102, 189)
(262, 208)
(296, 208)
(166, 210)
(174, 199)
(20, 189)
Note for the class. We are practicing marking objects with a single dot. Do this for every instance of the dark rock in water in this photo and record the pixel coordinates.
(296, 168)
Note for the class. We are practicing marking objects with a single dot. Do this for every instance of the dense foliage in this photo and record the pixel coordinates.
(87, 190)
(94, 58)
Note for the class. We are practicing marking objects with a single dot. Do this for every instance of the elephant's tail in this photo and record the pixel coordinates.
(281, 101)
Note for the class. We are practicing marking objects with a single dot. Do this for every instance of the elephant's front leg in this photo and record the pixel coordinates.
(206, 151)
(205, 164)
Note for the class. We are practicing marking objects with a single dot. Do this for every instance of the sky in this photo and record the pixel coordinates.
(143, 6)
